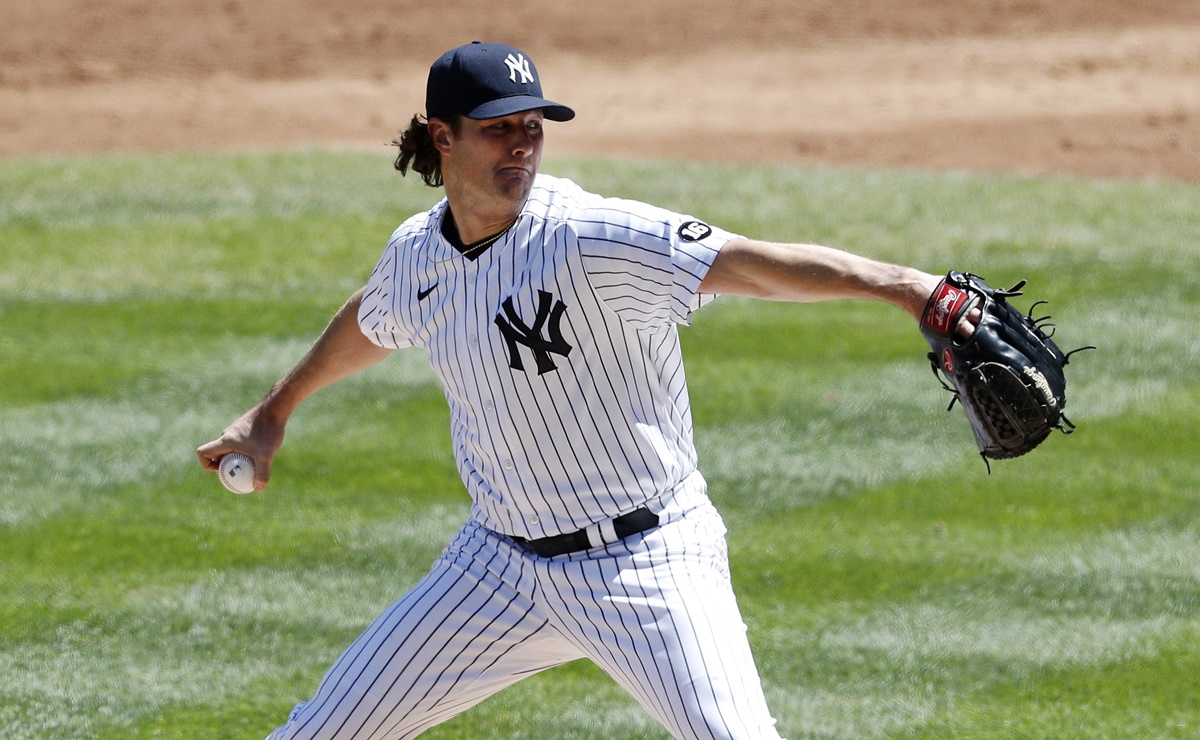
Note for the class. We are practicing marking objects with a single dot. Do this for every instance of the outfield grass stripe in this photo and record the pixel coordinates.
(126, 191)
(132, 660)
(996, 631)
(896, 672)
(866, 427)
(786, 464)
(852, 709)
(1125, 559)
(326, 596)
(213, 260)
(88, 685)
(60, 455)
(56, 455)
(1146, 353)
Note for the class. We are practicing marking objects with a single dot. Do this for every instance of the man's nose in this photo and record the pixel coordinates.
(522, 143)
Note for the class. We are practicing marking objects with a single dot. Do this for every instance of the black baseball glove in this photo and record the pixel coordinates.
(1008, 376)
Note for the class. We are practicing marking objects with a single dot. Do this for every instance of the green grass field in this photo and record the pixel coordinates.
(893, 588)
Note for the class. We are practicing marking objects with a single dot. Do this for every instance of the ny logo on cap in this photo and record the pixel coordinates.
(519, 65)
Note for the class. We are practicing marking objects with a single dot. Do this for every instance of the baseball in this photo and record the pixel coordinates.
(237, 472)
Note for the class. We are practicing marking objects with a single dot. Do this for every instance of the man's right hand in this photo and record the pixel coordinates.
(253, 434)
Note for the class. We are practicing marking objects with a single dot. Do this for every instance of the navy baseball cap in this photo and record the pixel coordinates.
(481, 80)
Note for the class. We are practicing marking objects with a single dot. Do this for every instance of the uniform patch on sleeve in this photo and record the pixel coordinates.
(694, 231)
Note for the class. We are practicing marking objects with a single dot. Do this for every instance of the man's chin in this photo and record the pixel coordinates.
(516, 184)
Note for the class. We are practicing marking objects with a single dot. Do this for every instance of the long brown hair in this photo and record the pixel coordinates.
(418, 153)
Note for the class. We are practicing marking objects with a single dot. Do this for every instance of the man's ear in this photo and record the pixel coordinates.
(440, 132)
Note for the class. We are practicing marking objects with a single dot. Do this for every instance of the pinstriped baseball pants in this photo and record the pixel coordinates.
(656, 612)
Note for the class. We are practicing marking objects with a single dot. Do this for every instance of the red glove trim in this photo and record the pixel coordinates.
(944, 305)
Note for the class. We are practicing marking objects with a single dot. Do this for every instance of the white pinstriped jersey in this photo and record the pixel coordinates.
(558, 351)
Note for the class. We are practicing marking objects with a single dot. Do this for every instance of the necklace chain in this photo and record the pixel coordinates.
(478, 246)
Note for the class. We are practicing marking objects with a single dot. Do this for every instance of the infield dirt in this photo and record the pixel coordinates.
(1106, 88)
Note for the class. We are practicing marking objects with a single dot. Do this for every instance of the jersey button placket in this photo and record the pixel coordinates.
(469, 273)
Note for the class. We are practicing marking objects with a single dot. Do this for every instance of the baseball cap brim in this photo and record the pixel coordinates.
(519, 104)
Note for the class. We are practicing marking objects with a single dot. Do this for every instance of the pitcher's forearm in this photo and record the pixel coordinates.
(341, 350)
(809, 272)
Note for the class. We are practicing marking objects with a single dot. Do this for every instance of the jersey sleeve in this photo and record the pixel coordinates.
(376, 312)
(646, 262)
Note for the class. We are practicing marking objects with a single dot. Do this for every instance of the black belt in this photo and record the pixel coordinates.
(597, 535)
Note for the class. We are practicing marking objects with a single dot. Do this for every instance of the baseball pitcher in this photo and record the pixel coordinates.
(550, 316)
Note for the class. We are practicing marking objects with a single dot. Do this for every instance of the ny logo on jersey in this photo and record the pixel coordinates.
(519, 65)
(517, 332)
